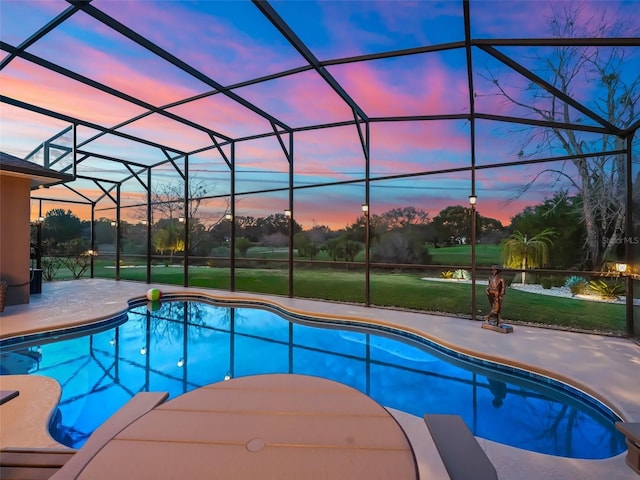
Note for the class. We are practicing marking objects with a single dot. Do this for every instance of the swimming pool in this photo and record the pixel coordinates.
(183, 345)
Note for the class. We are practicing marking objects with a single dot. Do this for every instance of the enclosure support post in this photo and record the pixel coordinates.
(232, 240)
(149, 221)
(187, 222)
(118, 232)
(472, 201)
(629, 231)
(290, 258)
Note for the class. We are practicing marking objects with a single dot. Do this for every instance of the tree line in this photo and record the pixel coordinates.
(402, 235)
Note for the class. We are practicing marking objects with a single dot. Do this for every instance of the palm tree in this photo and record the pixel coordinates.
(519, 251)
(168, 238)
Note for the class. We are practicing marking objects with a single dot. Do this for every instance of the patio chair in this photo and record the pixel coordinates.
(462, 455)
(25, 463)
(631, 432)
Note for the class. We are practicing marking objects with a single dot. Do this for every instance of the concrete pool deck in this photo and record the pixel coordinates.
(606, 367)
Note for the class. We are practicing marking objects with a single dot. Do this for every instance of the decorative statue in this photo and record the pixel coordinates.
(495, 293)
(498, 390)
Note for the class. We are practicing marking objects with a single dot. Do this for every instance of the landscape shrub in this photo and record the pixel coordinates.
(546, 282)
(461, 274)
(577, 285)
(610, 290)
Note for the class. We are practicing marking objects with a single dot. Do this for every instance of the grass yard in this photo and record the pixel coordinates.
(405, 291)
(486, 255)
(400, 290)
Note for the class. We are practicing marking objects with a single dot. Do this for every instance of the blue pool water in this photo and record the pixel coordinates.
(184, 345)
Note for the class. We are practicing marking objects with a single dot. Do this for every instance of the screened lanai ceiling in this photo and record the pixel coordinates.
(341, 90)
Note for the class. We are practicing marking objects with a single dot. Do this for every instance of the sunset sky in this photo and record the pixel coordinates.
(231, 43)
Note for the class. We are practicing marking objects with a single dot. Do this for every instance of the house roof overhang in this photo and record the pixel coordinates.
(40, 176)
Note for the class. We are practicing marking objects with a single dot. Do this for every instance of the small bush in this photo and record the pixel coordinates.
(50, 266)
(546, 282)
(78, 264)
(574, 279)
(461, 274)
(222, 251)
(577, 285)
(579, 288)
(609, 290)
(446, 274)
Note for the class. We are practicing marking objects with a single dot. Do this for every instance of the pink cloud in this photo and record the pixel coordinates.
(299, 100)
(35, 85)
(223, 115)
(134, 71)
(261, 205)
(30, 129)
(430, 89)
(167, 132)
(501, 210)
(261, 154)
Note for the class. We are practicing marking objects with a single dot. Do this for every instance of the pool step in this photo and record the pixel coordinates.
(25, 463)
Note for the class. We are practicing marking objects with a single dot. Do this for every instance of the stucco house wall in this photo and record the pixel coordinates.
(14, 237)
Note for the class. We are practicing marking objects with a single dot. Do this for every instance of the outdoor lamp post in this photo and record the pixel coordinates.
(232, 249)
(622, 270)
(365, 211)
(116, 240)
(472, 201)
(288, 213)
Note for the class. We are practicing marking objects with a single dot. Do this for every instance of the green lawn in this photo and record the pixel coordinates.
(400, 290)
(486, 255)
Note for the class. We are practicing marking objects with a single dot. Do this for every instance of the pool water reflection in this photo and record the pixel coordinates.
(184, 345)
